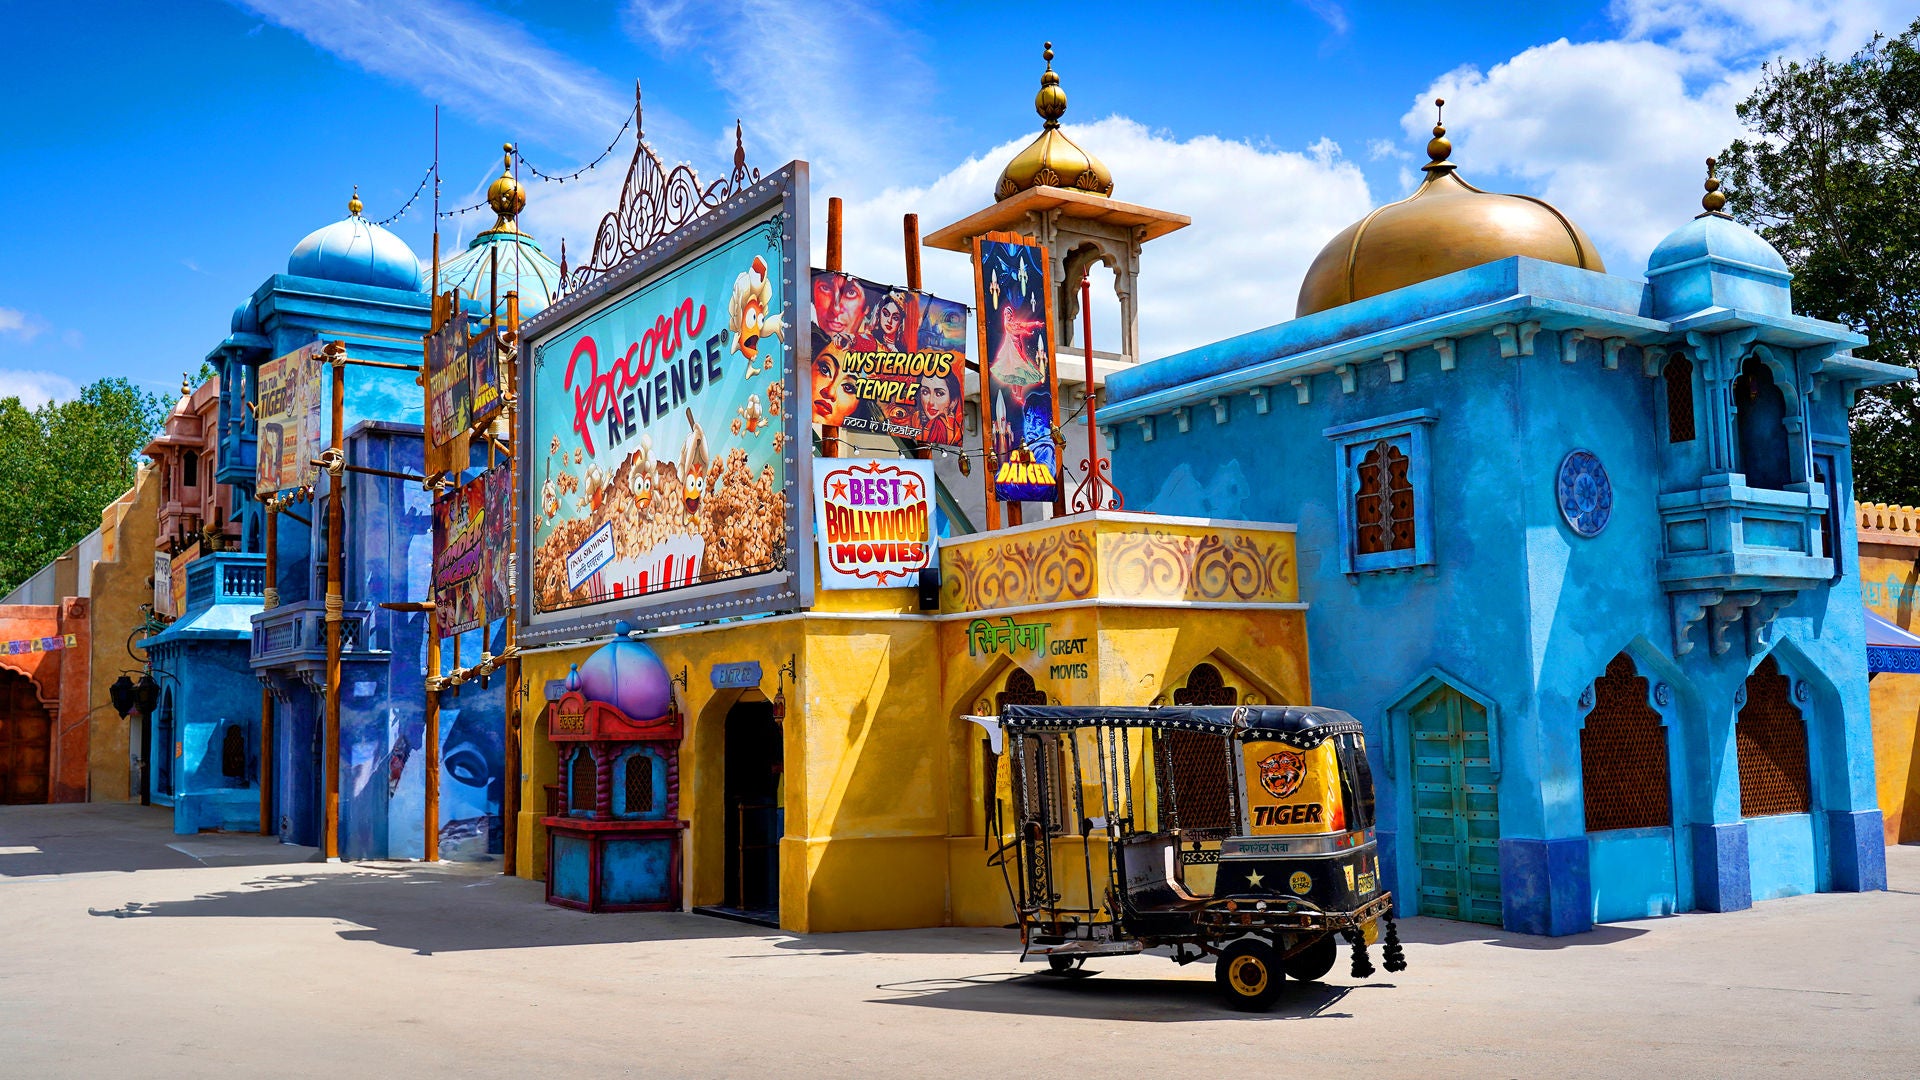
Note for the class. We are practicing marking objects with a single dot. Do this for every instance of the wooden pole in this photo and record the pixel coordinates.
(510, 793)
(270, 599)
(1053, 383)
(432, 835)
(910, 226)
(335, 611)
(1094, 499)
(829, 433)
(986, 387)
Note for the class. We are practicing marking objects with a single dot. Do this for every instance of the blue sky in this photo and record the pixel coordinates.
(166, 158)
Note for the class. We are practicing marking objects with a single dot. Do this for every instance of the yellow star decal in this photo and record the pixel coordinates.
(1253, 879)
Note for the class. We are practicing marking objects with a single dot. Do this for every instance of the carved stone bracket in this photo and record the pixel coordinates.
(1396, 365)
(1345, 371)
(1653, 360)
(1730, 610)
(1444, 347)
(1302, 390)
(1761, 617)
(1610, 352)
(1690, 608)
(1516, 339)
(1570, 345)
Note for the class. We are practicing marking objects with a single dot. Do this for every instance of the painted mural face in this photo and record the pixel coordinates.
(1281, 772)
(839, 304)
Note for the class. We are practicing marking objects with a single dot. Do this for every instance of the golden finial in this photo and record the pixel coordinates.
(1051, 101)
(186, 385)
(354, 204)
(505, 195)
(1714, 200)
(1439, 148)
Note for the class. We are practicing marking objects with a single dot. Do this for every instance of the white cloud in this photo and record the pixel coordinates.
(460, 55)
(1260, 215)
(1616, 133)
(19, 324)
(36, 388)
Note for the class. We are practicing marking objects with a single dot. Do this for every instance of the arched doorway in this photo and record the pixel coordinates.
(1456, 808)
(755, 810)
(26, 741)
(1776, 786)
(1628, 794)
(1761, 413)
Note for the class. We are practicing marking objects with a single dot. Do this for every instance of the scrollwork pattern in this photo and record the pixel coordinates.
(1075, 563)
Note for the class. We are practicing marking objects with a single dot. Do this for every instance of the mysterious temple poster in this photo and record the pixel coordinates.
(887, 360)
(287, 421)
(875, 521)
(449, 385)
(1017, 355)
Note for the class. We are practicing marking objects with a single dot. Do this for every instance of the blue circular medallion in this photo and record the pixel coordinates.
(1586, 495)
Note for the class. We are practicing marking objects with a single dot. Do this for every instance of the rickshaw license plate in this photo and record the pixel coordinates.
(1371, 932)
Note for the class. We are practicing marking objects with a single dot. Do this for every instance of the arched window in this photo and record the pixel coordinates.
(1383, 501)
(233, 753)
(1679, 378)
(638, 784)
(580, 783)
(1623, 754)
(1046, 763)
(1761, 414)
(1771, 737)
(1192, 769)
(1019, 691)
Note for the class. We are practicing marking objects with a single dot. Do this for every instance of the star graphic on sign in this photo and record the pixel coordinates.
(839, 489)
(913, 490)
(1253, 879)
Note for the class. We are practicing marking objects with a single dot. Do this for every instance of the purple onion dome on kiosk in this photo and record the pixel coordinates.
(629, 676)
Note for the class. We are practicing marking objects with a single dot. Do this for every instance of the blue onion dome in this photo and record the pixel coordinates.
(629, 676)
(355, 251)
(506, 248)
(1714, 261)
(245, 319)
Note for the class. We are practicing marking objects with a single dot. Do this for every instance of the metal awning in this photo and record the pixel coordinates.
(1890, 648)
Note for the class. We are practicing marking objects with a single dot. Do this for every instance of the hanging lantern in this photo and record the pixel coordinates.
(146, 694)
(121, 692)
(780, 704)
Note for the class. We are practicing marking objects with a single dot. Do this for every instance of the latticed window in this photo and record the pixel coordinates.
(580, 793)
(1679, 378)
(1192, 769)
(639, 784)
(233, 753)
(1771, 737)
(1019, 691)
(1623, 754)
(1383, 501)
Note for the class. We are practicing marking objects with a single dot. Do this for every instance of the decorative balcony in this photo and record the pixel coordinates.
(224, 589)
(292, 639)
(1733, 552)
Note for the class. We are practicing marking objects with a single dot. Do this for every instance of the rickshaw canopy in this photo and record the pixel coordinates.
(1300, 726)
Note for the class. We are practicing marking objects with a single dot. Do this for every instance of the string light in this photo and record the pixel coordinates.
(415, 197)
(588, 167)
(463, 210)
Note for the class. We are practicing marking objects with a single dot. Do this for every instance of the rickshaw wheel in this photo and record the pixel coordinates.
(1249, 974)
(1313, 962)
(1067, 965)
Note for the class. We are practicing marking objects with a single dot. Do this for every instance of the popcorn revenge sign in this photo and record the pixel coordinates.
(658, 475)
(876, 521)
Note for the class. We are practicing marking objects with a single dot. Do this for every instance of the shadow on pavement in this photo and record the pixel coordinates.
(87, 838)
(1148, 1000)
(1420, 930)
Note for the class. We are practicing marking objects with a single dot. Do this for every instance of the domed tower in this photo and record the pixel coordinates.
(504, 249)
(355, 251)
(1446, 225)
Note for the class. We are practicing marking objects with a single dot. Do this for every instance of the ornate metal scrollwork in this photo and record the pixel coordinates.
(1096, 491)
(655, 201)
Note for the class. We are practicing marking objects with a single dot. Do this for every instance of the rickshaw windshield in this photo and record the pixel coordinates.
(1356, 781)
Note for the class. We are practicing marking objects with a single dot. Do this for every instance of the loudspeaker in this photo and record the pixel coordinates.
(930, 589)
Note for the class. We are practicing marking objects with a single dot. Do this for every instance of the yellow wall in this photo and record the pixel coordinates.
(1890, 583)
(120, 586)
(885, 783)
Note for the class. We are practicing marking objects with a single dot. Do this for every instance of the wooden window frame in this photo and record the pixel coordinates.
(1406, 432)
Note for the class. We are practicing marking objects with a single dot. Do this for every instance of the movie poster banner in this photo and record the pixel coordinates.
(875, 520)
(887, 360)
(483, 357)
(449, 378)
(460, 558)
(1017, 356)
(287, 421)
(659, 467)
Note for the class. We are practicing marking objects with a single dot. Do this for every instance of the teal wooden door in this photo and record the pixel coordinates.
(1455, 809)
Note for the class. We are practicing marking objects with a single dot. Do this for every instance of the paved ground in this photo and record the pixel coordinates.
(125, 951)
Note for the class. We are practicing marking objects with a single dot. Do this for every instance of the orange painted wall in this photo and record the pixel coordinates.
(1890, 584)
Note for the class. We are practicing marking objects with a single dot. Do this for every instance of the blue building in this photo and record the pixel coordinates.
(356, 282)
(1574, 546)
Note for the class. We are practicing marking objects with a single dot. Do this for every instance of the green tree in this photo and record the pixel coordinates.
(61, 464)
(1831, 179)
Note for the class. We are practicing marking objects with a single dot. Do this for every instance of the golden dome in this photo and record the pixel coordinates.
(1447, 224)
(506, 196)
(1052, 159)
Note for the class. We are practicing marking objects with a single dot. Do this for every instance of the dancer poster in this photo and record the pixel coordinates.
(1017, 354)
(887, 360)
(287, 421)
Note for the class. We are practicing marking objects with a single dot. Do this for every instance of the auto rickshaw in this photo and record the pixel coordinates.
(1243, 833)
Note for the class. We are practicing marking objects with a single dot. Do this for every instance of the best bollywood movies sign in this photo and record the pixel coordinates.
(1017, 356)
(449, 375)
(662, 436)
(885, 360)
(287, 421)
(875, 520)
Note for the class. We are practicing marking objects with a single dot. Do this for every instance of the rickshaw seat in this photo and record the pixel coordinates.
(1151, 881)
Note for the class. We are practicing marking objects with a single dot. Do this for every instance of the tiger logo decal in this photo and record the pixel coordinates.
(1282, 771)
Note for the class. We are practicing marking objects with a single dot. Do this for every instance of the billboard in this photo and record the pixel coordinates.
(875, 521)
(1016, 342)
(459, 558)
(483, 355)
(664, 473)
(886, 360)
(449, 377)
(287, 421)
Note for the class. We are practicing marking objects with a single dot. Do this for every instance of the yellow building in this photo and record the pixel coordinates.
(884, 785)
(1890, 585)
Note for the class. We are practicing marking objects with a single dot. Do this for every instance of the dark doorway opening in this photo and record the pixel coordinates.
(755, 816)
(26, 742)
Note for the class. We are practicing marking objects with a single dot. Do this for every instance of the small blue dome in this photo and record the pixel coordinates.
(244, 319)
(522, 267)
(356, 252)
(1718, 236)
